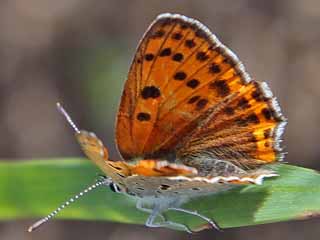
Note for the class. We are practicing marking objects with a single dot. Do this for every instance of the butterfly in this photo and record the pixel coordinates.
(191, 123)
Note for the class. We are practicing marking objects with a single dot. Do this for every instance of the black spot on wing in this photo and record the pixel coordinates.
(202, 56)
(253, 118)
(165, 52)
(142, 116)
(190, 43)
(177, 36)
(180, 76)
(201, 103)
(214, 68)
(149, 57)
(243, 103)
(164, 187)
(193, 83)
(150, 92)
(221, 87)
(258, 95)
(267, 113)
(178, 57)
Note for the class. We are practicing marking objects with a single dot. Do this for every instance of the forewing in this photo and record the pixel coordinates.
(180, 72)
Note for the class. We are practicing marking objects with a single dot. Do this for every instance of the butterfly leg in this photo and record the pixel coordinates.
(152, 218)
(210, 221)
(140, 207)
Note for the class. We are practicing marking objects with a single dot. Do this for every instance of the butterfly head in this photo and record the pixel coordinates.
(90, 144)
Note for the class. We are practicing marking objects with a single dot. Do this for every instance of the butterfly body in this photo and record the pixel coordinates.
(186, 187)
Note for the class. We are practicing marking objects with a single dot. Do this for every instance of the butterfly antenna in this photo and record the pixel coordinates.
(67, 116)
(104, 181)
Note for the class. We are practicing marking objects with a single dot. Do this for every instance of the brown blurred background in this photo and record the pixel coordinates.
(78, 52)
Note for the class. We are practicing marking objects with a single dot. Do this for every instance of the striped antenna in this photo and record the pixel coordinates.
(67, 116)
(104, 181)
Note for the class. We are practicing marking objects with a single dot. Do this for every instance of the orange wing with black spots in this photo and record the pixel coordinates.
(180, 77)
(245, 129)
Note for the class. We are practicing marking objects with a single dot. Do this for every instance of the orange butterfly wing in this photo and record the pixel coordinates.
(246, 130)
(180, 80)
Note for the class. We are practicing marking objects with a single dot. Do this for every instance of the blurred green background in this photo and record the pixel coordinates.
(78, 52)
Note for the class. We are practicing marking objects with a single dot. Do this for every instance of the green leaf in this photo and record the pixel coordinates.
(30, 189)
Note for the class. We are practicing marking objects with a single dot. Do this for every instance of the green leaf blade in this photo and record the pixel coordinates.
(32, 189)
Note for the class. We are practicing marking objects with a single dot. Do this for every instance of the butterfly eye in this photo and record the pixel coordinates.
(115, 188)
